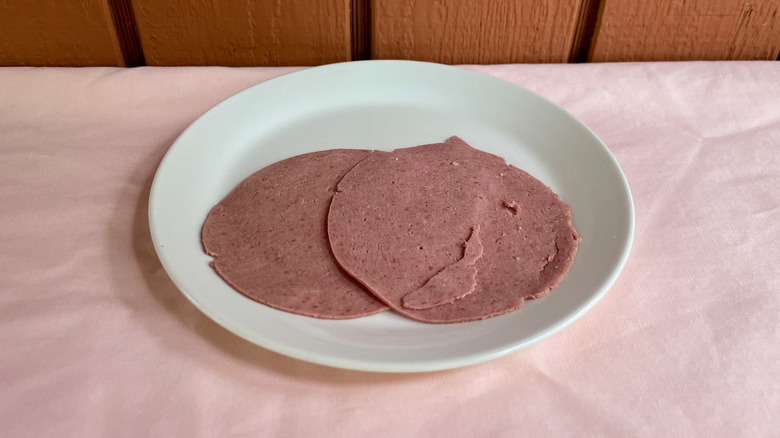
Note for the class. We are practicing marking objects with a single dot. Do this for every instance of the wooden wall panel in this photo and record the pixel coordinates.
(474, 31)
(670, 30)
(243, 32)
(58, 33)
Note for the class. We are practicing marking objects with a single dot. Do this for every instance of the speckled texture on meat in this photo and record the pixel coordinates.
(269, 241)
(452, 283)
(401, 217)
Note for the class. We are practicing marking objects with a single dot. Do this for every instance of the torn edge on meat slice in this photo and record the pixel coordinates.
(452, 283)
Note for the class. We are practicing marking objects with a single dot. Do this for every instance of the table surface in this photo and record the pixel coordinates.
(97, 341)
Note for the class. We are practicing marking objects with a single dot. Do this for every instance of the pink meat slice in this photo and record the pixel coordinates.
(452, 283)
(400, 219)
(269, 240)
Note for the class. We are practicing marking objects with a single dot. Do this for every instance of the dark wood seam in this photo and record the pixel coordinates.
(360, 13)
(127, 32)
(586, 30)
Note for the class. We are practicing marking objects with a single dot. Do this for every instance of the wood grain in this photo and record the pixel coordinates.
(671, 30)
(243, 32)
(58, 33)
(473, 31)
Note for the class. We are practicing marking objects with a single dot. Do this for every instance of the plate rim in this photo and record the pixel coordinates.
(373, 365)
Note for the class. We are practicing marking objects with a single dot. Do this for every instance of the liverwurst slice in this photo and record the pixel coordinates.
(269, 240)
(400, 218)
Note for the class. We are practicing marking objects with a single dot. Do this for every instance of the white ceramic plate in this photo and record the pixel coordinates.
(386, 105)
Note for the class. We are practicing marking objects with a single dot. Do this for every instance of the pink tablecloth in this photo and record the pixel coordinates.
(97, 341)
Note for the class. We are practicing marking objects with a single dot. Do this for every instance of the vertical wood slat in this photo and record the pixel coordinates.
(471, 31)
(58, 33)
(311, 32)
(244, 32)
(671, 30)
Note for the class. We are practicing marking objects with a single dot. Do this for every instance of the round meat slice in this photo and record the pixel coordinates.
(447, 233)
(269, 241)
